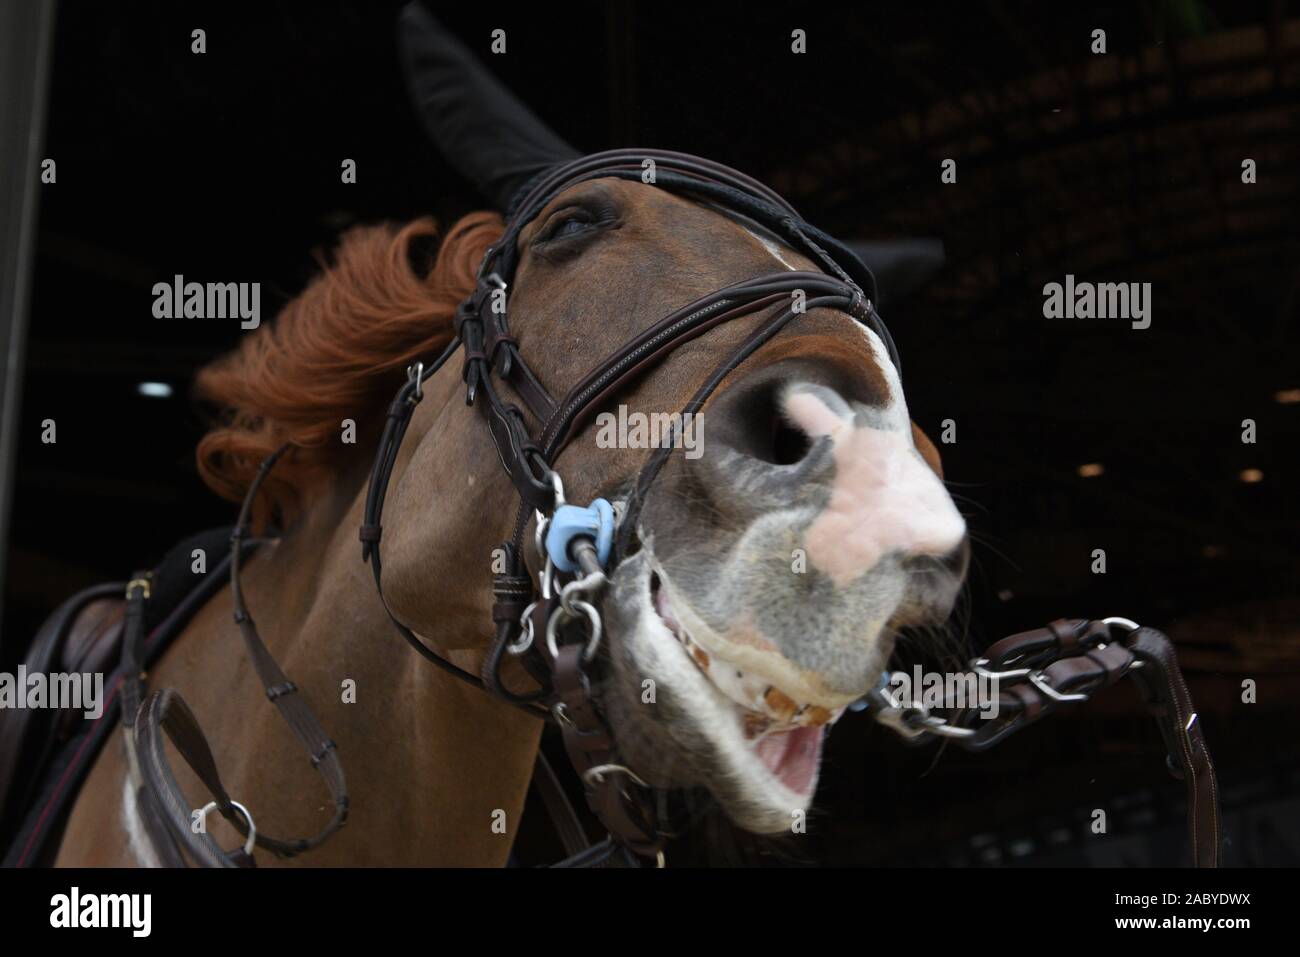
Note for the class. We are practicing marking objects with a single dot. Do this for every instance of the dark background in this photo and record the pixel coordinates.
(1123, 167)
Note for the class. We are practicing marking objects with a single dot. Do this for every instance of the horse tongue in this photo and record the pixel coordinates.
(792, 756)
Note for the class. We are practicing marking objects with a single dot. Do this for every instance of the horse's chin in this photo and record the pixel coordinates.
(686, 717)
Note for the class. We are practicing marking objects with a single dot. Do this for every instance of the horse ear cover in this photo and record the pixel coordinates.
(479, 126)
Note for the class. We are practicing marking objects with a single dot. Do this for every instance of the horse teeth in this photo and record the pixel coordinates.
(780, 703)
(817, 715)
(762, 705)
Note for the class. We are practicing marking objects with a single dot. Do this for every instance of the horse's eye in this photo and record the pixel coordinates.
(567, 228)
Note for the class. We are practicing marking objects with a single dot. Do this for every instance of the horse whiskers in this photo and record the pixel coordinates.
(974, 504)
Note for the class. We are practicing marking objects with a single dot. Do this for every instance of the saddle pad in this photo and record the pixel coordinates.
(48, 758)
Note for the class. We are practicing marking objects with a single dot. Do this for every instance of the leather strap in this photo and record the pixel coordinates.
(165, 713)
(561, 812)
(1168, 700)
(618, 801)
(849, 299)
(1066, 663)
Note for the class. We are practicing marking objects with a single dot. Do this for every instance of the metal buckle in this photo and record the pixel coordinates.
(1039, 681)
(597, 774)
(902, 719)
(539, 532)
(558, 484)
(488, 256)
(415, 374)
(252, 828)
(561, 713)
(977, 666)
(593, 617)
(944, 728)
(548, 580)
(890, 712)
(534, 463)
(525, 640)
(1132, 626)
(589, 585)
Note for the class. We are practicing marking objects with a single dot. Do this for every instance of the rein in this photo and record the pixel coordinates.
(1067, 662)
(556, 631)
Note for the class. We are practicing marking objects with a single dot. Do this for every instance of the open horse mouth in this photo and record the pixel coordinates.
(784, 733)
(753, 650)
(749, 732)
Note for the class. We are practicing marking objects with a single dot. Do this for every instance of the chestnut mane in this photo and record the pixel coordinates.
(337, 351)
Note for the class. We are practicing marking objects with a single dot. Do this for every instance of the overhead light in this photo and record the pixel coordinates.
(1251, 476)
(1091, 470)
(1287, 396)
(1006, 594)
(1211, 551)
(154, 390)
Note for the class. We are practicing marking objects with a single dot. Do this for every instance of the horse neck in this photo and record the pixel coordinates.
(435, 767)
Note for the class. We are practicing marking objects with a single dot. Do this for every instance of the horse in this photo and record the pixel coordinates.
(775, 570)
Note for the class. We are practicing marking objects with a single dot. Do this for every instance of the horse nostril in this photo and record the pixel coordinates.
(754, 424)
(789, 445)
(766, 432)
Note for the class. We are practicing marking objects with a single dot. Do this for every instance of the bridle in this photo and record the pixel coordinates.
(555, 631)
(582, 543)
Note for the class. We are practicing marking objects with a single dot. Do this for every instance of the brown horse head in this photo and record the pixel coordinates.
(801, 525)
(782, 551)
